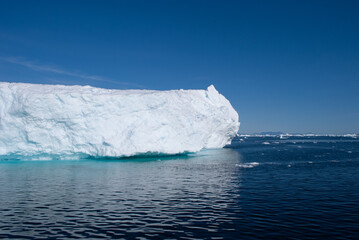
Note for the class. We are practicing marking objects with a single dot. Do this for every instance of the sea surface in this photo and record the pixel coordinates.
(256, 188)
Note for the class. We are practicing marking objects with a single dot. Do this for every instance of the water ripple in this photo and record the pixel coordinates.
(218, 194)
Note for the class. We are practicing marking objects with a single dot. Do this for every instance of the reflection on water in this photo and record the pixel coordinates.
(291, 188)
(167, 197)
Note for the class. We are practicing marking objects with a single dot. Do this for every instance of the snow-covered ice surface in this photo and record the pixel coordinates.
(54, 119)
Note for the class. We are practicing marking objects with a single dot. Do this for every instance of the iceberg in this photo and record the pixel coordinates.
(57, 119)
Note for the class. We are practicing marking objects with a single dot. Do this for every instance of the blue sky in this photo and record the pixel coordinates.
(290, 66)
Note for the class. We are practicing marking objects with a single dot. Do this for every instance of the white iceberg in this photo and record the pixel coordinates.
(57, 119)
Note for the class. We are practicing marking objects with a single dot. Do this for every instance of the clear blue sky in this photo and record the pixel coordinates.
(289, 66)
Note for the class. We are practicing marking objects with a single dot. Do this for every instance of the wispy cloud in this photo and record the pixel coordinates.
(57, 70)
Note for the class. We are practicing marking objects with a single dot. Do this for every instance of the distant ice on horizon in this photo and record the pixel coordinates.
(57, 119)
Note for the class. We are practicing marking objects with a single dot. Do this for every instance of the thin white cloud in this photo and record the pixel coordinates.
(47, 68)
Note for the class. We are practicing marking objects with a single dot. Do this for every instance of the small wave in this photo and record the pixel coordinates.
(247, 165)
(43, 158)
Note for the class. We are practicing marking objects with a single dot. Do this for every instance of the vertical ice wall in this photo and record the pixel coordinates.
(58, 119)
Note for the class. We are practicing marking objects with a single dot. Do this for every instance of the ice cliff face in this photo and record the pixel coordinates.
(55, 119)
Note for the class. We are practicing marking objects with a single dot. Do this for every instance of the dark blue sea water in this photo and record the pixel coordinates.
(257, 188)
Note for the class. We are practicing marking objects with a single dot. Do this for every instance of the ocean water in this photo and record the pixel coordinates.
(257, 188)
